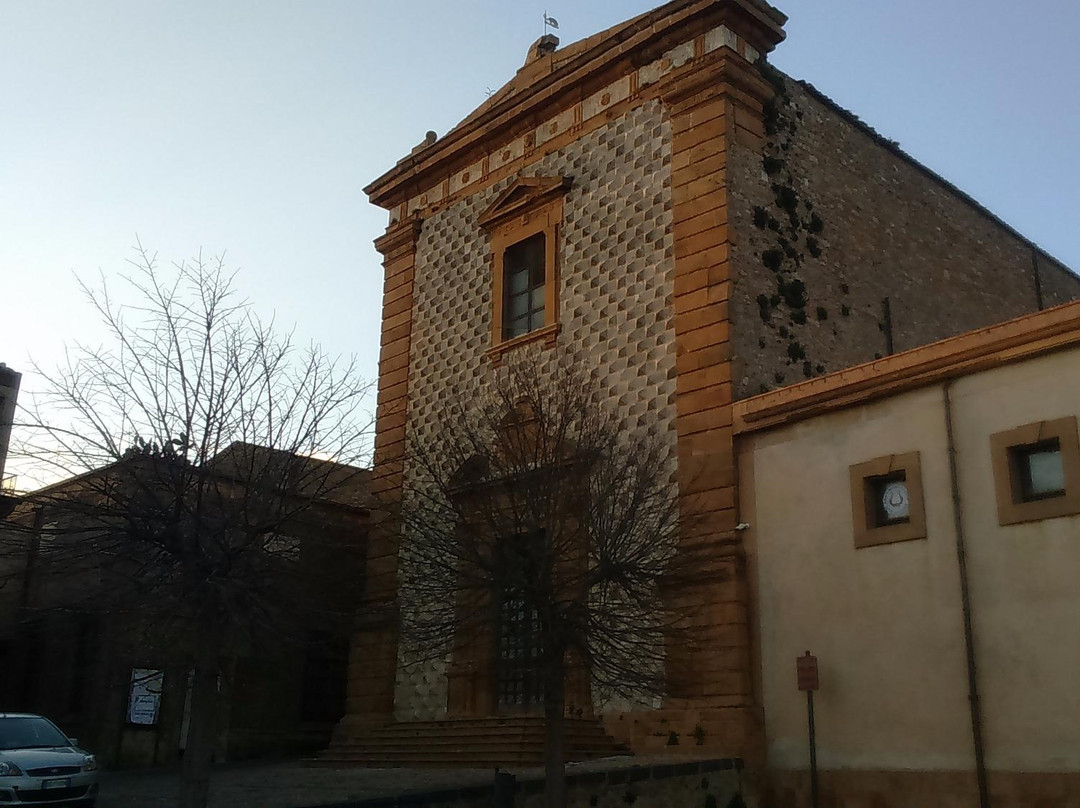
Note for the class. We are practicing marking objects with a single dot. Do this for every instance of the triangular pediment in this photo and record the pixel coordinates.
(523, 194)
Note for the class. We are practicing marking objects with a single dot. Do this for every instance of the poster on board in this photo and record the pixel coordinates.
(145, 696)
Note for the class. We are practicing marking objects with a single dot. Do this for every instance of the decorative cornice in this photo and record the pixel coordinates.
(1004, 343)
(547, 335)
(718, 73)
(523, 195)
(399, 235)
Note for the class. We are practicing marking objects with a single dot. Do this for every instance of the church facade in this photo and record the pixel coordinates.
(697, 229)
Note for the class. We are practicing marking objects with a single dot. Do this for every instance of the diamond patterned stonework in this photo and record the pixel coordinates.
(615, 304)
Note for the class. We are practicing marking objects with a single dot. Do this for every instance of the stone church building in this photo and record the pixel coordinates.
(700, 229)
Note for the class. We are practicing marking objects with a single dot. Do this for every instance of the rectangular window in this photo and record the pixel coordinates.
(1039, 470)
(524, 268)
(524, 223)
(1036, 471)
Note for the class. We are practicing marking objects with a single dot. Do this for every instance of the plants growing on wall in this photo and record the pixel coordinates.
(792, 229)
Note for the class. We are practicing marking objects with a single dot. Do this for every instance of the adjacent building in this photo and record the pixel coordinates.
(116, 672)
(929, 562)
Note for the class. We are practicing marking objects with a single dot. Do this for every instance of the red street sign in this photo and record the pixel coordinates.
(806, 670)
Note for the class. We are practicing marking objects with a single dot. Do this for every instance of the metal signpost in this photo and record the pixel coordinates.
(807, 672)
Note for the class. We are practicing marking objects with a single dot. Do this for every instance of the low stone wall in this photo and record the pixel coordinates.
(695, 784)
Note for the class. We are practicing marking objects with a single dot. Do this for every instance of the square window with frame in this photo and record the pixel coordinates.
(1036, 471)
(887, 500)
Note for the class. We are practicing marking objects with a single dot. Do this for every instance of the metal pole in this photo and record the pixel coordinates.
(813, 750)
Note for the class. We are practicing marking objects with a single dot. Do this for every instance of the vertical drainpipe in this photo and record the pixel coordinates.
(886, 316)
(1038, 279)
(965, 598)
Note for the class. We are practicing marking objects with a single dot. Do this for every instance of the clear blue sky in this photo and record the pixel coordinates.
(251, 127)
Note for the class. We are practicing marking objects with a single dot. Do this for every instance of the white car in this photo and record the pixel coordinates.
(39, 765)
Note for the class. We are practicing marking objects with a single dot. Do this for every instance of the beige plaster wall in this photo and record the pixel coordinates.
(1025, 579)
(885, 621)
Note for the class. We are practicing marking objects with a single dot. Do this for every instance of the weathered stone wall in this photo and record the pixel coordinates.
(616, 293)
(832, 208)
(1058, 284)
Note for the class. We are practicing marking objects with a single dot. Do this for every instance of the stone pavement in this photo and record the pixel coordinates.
(293, 784)
(288, 784)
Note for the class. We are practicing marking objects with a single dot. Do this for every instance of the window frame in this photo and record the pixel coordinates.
(530, 207)
(864, 476)
(1012, 507)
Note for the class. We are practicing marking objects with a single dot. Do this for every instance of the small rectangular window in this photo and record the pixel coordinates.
(523, 285)
(524, 223)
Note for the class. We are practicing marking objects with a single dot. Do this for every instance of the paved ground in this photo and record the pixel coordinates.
(280, 785)
(291, 784)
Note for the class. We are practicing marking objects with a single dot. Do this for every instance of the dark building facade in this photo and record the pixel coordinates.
(120, 681)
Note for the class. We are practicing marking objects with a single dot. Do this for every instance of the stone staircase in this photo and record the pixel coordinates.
(470, 742)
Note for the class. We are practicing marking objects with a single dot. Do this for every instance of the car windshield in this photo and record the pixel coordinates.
(28, 732)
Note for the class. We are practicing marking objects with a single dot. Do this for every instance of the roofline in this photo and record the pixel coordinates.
(893, 147)
(1005, 343)
(644, 30)
(35, 497)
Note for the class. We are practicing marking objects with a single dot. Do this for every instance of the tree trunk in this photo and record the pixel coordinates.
(554, 732)
(199, 753)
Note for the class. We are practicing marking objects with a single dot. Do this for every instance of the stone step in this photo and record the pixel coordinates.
(479, 745)
(490, 751)
(518, 725)
(477, 742)
(485, 745)
(476, 760)
(502, 733)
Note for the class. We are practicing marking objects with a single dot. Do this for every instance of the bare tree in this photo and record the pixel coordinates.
(199, 496)
(538, 526)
